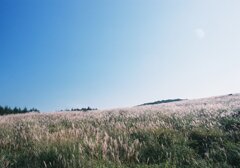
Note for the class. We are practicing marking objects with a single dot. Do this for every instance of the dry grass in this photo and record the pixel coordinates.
(196, 133)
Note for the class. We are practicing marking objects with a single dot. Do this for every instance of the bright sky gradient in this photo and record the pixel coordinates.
(57, 54)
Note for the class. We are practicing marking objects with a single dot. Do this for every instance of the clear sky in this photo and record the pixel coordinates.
(57, 54)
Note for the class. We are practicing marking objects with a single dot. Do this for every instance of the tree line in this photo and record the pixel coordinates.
(80, 109)
(162, 101)
(16, 110)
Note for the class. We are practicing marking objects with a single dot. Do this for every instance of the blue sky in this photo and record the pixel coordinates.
(60, 54)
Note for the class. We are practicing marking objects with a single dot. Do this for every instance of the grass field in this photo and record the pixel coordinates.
(190, 133)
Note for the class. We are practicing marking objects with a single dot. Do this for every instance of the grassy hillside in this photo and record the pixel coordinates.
(190, 133)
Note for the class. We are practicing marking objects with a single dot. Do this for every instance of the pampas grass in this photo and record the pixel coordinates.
(189, 133)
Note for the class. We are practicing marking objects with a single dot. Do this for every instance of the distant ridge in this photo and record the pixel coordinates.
(161, 102)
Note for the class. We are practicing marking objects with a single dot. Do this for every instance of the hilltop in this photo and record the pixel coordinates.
(162, 101)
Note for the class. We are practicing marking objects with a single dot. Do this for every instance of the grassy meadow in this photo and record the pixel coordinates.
(190, 133)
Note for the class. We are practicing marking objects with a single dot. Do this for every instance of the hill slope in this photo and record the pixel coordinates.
(188, 133)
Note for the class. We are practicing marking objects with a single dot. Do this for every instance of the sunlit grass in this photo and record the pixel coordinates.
(198, 133)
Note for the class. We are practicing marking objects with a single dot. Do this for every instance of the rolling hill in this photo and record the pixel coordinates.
(188, 133)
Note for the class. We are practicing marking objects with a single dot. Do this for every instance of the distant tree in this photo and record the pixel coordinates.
(82, 109)
(25, 110)
(162, 101)
(8, 110)
(33, 110)
(15, 110)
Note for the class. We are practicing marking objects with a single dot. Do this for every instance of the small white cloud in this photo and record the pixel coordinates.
(200, 33)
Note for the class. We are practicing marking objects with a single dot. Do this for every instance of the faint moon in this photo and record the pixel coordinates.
(200, 33)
